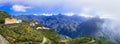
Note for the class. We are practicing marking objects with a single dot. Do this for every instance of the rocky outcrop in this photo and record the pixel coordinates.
(3, 40)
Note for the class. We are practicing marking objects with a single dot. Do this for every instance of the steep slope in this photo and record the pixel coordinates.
(20, 33)
(90, 40)
(25, 33)
(3, 15)
(72, 26)
(91, 27)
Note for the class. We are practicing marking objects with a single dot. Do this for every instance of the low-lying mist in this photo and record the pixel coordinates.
(111, 28)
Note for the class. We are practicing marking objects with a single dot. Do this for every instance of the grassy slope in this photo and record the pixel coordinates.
(52, 35)
(4, 14)
(21, 33)
(90, 40)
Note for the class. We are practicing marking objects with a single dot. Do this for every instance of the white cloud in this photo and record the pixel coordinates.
(36, 14)
(45, 14)
(69, 14)
(86, 15)
(103, 8)
(20, 8)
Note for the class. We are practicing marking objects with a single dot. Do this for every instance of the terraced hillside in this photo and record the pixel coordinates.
(24, 33)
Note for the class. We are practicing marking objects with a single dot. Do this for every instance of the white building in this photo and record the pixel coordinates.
(42, 28)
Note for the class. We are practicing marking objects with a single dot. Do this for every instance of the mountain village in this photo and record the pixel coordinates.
(12, 20)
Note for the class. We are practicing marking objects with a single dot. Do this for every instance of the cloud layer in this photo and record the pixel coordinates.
(20, 8)
(103, 8)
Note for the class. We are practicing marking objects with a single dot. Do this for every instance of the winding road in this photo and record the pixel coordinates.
(44, 40)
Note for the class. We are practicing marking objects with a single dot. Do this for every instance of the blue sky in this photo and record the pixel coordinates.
(23, 9)
(16, 7)
(103, 8)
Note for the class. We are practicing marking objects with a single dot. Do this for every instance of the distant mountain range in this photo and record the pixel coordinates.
(72, 26)
(25, 33)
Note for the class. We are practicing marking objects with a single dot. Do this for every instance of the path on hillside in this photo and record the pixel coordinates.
(44, 40)
(3, 40)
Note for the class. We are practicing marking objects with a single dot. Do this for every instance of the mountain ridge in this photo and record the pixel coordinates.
(25, 33)
(63, 24)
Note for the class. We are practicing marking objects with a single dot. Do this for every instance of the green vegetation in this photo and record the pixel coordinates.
(90, 40)
(102, 40)
(2, 21)
(52, 35)
(3, 15)
(23, 33)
